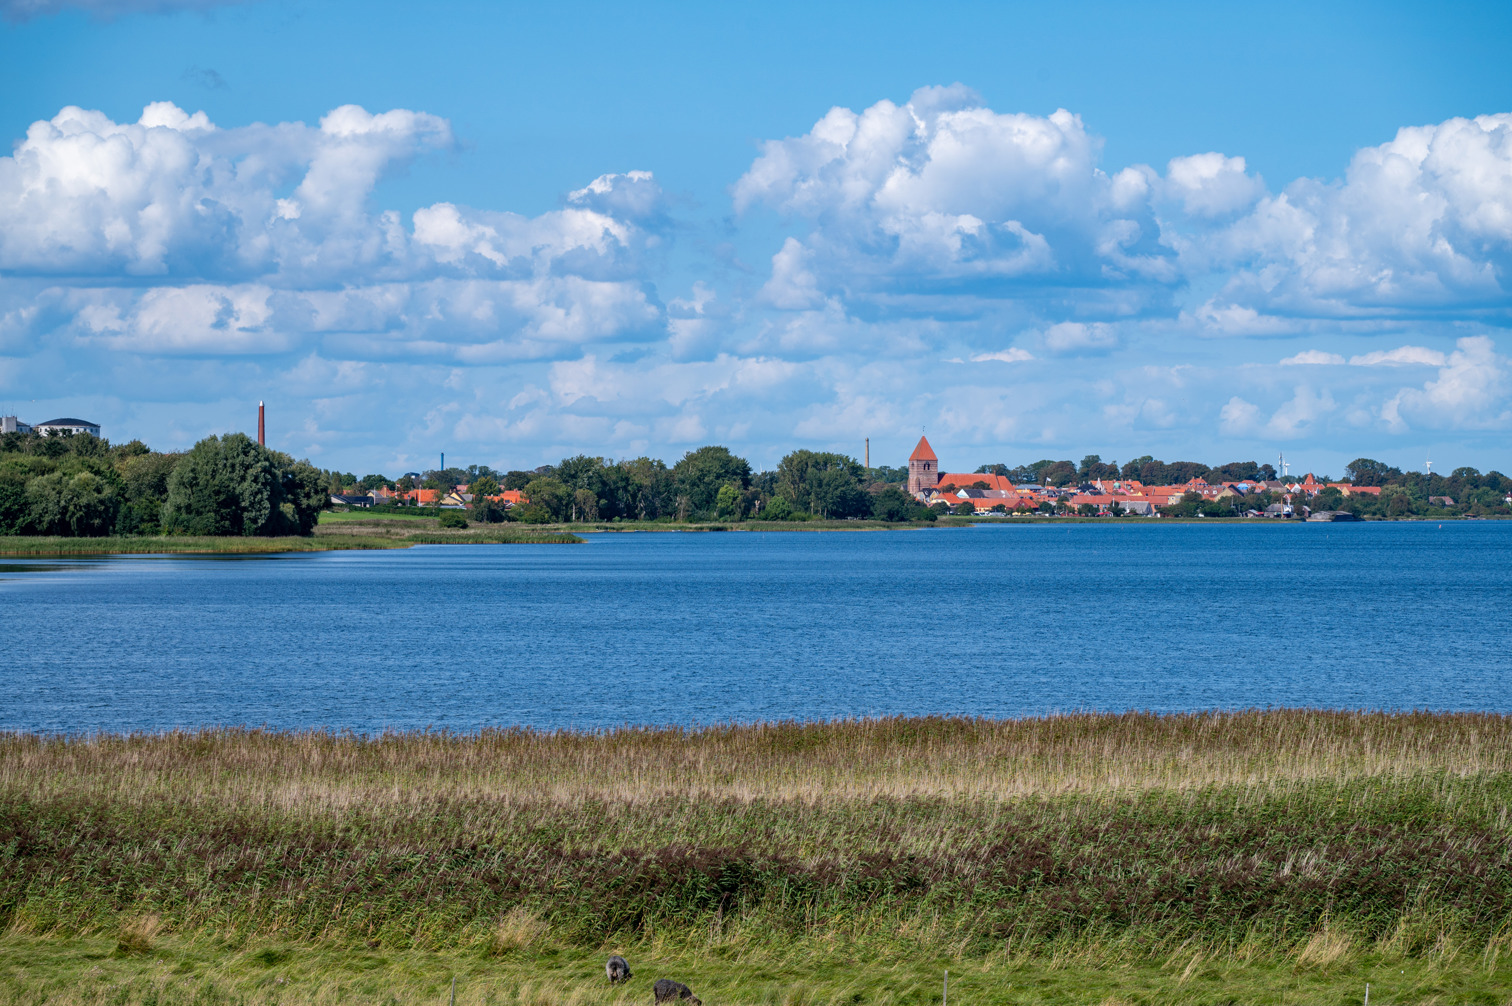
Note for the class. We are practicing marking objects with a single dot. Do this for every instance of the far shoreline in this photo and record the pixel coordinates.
(563, 534)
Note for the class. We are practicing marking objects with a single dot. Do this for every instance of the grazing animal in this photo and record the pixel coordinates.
(667, 991)
(618, 968)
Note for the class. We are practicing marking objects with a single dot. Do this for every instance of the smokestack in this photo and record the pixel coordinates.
(868, 452)
(262, 431)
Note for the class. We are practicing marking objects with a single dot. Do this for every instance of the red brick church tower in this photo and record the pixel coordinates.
(923, 469)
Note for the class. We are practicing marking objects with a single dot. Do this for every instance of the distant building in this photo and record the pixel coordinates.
(10, 424)
(923, 469)
(351, 499)
(74, 426)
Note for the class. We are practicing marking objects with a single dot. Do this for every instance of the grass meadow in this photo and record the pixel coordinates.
(1285, 856)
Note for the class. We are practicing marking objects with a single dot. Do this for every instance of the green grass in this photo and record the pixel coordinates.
(1281, 856)
(171, 970)
(364, 516)
(22, 545)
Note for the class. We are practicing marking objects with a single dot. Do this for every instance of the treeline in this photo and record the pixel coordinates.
(1146, 469)
(1464, 492)
(707, 484)
(82, 486)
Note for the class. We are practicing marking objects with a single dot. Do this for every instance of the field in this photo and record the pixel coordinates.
(1284, 856)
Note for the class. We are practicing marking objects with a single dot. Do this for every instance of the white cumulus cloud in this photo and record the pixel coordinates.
(1423, 222)
(258, 238)
(1471, 391)
(942, 204)
(1212, 185)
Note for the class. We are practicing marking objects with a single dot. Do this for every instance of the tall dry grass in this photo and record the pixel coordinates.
(956, 836)
(860, 760)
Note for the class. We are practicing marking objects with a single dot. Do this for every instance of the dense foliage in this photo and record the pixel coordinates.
(81, 486)
(707, 484)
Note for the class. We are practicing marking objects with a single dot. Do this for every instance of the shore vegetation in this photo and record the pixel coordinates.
(1262, 856)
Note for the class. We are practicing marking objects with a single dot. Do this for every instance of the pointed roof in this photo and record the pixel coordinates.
(923, 452)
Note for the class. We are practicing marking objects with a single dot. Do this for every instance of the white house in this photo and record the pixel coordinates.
(10, 424)
(74, 426)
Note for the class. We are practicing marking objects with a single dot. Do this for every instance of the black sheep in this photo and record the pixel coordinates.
(667, 990)
(618, 969)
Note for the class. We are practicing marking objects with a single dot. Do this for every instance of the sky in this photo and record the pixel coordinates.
(515, 233)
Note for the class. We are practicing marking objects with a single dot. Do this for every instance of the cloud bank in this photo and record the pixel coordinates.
(936, 263)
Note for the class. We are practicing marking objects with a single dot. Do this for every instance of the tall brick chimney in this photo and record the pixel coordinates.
(262, 432)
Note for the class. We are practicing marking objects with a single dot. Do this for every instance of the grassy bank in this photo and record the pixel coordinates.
(1267, 857)
(135, 545)
(342, 535)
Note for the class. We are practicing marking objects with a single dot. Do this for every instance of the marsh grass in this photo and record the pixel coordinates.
(1079, 858)
(347, 535)
(163, 544)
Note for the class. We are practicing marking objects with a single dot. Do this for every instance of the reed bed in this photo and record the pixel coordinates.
(1175, 847)
(833, 763)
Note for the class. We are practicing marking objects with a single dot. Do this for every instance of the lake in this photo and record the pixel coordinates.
(685, 628)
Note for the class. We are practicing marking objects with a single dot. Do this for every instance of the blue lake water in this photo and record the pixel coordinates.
(702, 628)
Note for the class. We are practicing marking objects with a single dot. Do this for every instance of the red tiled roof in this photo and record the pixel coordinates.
(962, 481)
(923, 452)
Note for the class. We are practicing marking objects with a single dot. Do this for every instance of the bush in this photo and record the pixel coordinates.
(453, 518)
(893, 505)
(778, 509)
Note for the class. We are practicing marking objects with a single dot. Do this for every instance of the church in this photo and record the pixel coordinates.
(925, 478)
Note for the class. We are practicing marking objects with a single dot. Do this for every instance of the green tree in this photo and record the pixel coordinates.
(894, 505)
(585, 505)
(484, 509)
(1056, 473)
(648, 488)
(452, 519)
(550, 495)
(78, 505)
(231, 485)
(13, 509)
(728, 502)
(827, 485)
(1370, 472)
(778, 509)
(965, 508)
(701, 473)
(303, 498)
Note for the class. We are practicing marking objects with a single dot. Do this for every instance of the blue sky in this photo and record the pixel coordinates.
(516, 232)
